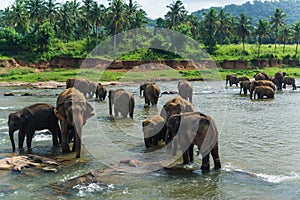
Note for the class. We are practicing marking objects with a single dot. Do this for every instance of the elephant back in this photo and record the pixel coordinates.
(69, 95)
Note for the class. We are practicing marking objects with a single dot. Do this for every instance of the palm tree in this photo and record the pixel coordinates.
(244, 27)
(223, 25)
(297, 36)
(262, 30)
(87, 20)
(117, 14)
(176, 14)
(75, 16)
(285, 35)
(210, 25)
(36, 10)
(277, 20)
(19, 17)
(97, 17)
(51, 11)
(65, 22)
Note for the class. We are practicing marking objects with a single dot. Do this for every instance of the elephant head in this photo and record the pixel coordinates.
(123, 102)
(100, 92)
(175, 106)
(16, 121)
(151, 94)
(73, 110)
(278, 79)
(154, 130)
(185, 90)
(143, 87)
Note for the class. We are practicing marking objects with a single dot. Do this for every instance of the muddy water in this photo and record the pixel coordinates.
(259, 150)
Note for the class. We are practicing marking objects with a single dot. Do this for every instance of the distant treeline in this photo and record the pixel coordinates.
(41, 29)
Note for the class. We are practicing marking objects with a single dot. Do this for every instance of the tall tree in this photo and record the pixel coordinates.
(244, 26)
(277, 20)
(19, 17)
(297, 36)
(176, 14)
(223, 25)
(210, 24)
(51, 11)
(36, 10)
(261, 31)
(118, 16)
(97, 13)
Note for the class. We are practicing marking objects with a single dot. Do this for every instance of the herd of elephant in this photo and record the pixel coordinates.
(263, 85)
(177, 123)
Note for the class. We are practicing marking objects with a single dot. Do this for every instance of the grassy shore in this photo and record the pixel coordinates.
(61, 75)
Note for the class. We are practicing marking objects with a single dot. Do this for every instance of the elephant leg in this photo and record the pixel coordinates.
(64, 137)
(185, 157)
(245, 91)
(191, 152)
(148, 142)
(55, 134)
(29, 137)
(116, 112)
(205, 163)
(215, 154)
(21, 137)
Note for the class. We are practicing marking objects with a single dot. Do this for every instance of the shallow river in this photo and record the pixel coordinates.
(259, 150)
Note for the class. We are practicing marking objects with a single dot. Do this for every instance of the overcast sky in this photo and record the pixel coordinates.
(157, 8)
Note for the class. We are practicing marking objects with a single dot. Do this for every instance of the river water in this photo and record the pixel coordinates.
(258, 142)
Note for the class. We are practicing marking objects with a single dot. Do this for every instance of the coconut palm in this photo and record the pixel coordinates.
(223, 25)
(51, 11)
(118, 16)
(262, 30)
(297, 36)
(210, 25)
(36, 11)
(97, 12)
(19, 17)
(285, 34)
(244, 27)
(277, 20)
(176, 14)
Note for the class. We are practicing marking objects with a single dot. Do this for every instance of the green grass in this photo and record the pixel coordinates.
(61, 75)
(235, 52)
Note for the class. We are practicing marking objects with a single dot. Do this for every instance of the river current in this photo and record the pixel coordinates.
(258, 142)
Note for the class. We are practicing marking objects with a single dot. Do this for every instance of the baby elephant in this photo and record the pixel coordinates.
(261, 91)
(35, 117)
(194, 128)
(154, 130)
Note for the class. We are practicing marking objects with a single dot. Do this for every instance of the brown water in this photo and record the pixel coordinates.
(259, 150)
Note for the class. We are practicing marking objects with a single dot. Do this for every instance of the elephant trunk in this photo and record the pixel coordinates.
(110, 102)
(11, 136)
(78, 124)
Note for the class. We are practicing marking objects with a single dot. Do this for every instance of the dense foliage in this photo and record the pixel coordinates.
(42, 29)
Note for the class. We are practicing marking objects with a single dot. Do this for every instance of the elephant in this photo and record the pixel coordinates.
(185, 90)
(92, 88)
(176, 105)
(278, 79)
(154, 130)
(35, 117)
(123, 102)
(261, 91)
(151, 94)
(289, 81)
(143, 87)
(261, 76)
(194, 128)
(232, 79)
(100, 92)
(245, 86)
(73, 111)
(81, 84)
(243, 78)
(260, 83)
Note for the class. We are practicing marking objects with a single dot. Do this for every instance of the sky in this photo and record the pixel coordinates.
(158, 8)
